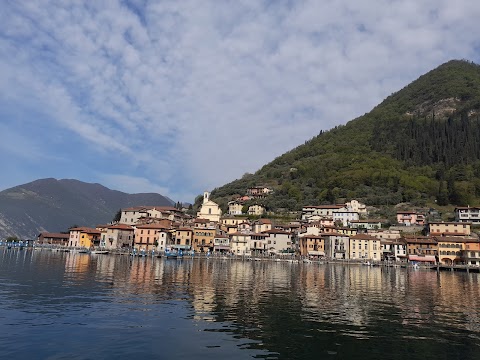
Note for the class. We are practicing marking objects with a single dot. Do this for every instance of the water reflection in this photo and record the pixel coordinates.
(238, 309)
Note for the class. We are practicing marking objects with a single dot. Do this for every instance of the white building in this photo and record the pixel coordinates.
(235, 208)
(209, 209)
(356, 206)
(345, 216)
(257, 210)
(467, 214)
(278, 241)
(320, 211)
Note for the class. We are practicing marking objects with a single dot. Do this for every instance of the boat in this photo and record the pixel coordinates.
(99, 252)
(307, 261)
(84, 251)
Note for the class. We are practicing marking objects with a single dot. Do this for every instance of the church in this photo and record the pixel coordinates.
(209, 209)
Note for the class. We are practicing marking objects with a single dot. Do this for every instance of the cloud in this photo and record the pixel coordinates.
(188, 96)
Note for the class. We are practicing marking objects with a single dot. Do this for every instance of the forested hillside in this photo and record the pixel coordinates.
(420, 145)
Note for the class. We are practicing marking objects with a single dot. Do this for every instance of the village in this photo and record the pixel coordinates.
(324, 232)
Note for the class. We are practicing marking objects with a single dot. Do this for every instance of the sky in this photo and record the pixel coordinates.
(179, 97)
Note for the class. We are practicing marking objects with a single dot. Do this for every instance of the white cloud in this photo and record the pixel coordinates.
(194, 94)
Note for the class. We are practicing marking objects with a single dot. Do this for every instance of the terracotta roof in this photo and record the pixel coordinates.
(120, 227)
(275, 231)
(449, 222)
(86, 230)
(152, 226)
(363, 237)
(54, 235)
(456, 239)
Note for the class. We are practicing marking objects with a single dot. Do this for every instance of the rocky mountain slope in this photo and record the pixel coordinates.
(54, 205)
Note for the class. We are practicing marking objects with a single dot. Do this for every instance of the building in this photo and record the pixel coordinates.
(256, 210)
(311, 246)
(258, 191)
(221, 244)
(372, 224)
(258, 244)
(278, 241)
(449, 228)
(117, 236)
(239, 243)
(58, 239)
(394, 250)
(235, 208)
(262, 225)
(209, 209)
(471, 254)
(203, 239)
(337, 245)
(421, 249)
(344, 217)
(151, 237)
(364, 246)
(320, 211)
(84, 237)
(467, 214)
(182, 239)
(409, 218)
(356, 206)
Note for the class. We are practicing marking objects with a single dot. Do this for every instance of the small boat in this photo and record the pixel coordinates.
(100, 252)
(171, 255)
(307, 261)
(84, 251)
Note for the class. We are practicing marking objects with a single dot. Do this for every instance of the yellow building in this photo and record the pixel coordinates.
(203, 239)
(312, 245)
(183, 239)
(364, 246)
(450, 228)
(209, 209)
(451, 248)
(84, 237)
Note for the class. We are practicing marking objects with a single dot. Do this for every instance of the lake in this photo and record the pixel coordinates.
(78, 306)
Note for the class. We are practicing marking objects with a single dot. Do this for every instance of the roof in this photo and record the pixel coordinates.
(184, 229)
(334, 234)
(86, 230)
(449, 223)
(363, 237)
(456, 239)
(420, 240)
(120, 227)
(152, 226)
(275, 231)
(264, 221)
(324, 206)
(54, 235)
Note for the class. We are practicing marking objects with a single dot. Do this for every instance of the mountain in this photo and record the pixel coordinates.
(420, 145)
(55, 205)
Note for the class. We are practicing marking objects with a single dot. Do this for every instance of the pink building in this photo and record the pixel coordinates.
(409, 218)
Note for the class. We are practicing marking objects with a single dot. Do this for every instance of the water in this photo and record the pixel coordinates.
(80, 306)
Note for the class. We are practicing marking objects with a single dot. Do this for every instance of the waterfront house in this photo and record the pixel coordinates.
(203, 239)
(469, 214)
(258, 244)
(239, 243)
(449, 228)
(84, 237)
(209, 209)
(394, 249)
(221, 243)
(278, 241)
(421, 249)
(58, 239)
(471, 254)
(409, 218)
(452, 249)
(150, 237)
(364, 246)
(182, 239)
(311, 246)
(117, 236)
(337, 245)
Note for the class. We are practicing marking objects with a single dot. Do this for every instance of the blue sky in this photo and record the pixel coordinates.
(179, 97)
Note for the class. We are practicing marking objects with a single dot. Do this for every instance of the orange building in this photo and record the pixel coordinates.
(312, 245)
(183, 239)
(151, 237)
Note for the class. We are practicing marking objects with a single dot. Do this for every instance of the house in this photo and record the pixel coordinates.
(467, 214)
(320, 211)
(257, 210)
(337, 245)
(209, 209)
(278, 241)
(182, 239)
(233, 220)
(203, 239)
(84, 237)
(258, 244)
(394, 249)
(150, 237)
(356, 206)
(117, 236)
(53, 239)
(344, 216)
(421, 249)
(471, 254)
(450, 249)
(240, 244)
(258, 191)
(235, 208)
(221, 244)
(385, 234)
(364, 246)
(449, 228)
(132, 215)
(371, 224)
(262, 225)
(409, 218)
(311, 246)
